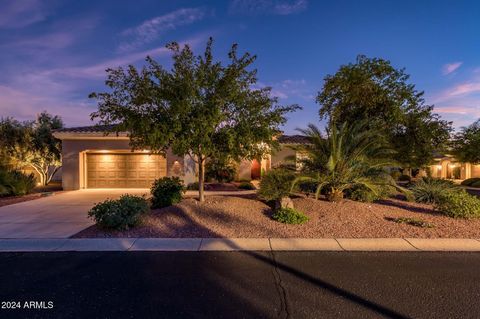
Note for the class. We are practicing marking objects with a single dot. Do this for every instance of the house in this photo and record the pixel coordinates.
(446, 166)
(91, 159)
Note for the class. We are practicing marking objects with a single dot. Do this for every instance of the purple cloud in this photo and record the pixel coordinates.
(451, 67)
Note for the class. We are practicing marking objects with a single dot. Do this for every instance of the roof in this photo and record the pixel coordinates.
(87, 129)
(97, 130)
(294, 139)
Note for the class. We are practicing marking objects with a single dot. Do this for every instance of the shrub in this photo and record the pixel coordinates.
(166, 191)
(470, 181)
(192, 186)
(404, 178)
(362, 194)
(429, 190)
(120, 214)
(220, 171)
(289, 216)
(276, 184)
(395, 174)
(306, 187)
(458, 204)
(14, 182)
(246, 186)
(475, 184)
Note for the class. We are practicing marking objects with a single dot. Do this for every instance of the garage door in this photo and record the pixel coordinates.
(124, 170)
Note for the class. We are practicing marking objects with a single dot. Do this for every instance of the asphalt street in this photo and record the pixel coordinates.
(240, 285)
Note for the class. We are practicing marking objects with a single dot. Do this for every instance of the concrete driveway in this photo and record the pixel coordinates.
(57, 216)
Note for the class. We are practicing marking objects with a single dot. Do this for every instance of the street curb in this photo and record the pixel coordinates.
(241, 244)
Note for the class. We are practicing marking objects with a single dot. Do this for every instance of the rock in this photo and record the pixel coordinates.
(284, 202)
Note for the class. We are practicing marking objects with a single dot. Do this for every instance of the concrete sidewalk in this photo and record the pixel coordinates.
(239, 244)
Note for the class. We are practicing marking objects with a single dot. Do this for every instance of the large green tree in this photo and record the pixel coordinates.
(466, 143)
(200, 107)
(32, 144)
(372, 89)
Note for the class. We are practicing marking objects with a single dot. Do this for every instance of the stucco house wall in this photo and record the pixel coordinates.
(73, 151)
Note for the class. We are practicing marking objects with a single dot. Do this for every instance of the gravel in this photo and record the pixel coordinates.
(245, 216)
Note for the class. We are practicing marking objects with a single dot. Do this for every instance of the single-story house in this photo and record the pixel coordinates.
(446, 166)
(91, 159)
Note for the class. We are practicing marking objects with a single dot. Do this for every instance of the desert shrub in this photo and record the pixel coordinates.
(395, 174)
(362, 194)
(166, 191)
(120, 214)
(458, 204)
(220, 171)
(14, 182)
(306, 187)
(470, 181)
(475, 184)
(429, 190)
(192, 186)
(246, 186)
(404, 178)
(289, 216)
(276, 184)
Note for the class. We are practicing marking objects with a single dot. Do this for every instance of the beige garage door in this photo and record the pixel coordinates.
(124, 170)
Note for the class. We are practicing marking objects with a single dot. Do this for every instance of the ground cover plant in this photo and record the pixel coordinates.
(412, 221)
(289, 216)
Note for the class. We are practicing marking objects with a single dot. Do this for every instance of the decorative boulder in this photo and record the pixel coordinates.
(284, 202)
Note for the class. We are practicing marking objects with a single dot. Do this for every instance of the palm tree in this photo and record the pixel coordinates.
(349, 157)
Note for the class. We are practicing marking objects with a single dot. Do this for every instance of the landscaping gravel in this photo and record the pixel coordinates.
(245, 216)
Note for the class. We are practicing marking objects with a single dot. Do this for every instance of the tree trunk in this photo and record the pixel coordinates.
(201, 179)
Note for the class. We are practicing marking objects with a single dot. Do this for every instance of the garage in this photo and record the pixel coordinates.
(127, 170)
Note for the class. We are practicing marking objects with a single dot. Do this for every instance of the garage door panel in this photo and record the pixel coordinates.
(124, 170)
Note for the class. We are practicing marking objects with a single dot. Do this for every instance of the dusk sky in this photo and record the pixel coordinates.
(53, 53)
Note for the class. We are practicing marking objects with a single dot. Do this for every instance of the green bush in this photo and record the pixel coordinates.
(289, 216)
(166, 191)
(458, 204)
(429, 190)
(276, 184)
(475, 184)
(307, 187)
(362, 194)
(395, 174)
(120, 214)
(246, 186)
(220, 171)
(470, 181)
(14, 182)
(192, 186)
(404, 178)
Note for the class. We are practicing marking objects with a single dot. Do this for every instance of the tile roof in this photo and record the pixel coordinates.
(294, 139)
(283, 139)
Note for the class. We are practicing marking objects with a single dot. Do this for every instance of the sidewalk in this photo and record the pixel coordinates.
(239, 244)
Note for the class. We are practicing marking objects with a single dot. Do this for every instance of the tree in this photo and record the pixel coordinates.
(466, 143)
(372, 89)
(200, 108)
(33, 144)
(350, 157)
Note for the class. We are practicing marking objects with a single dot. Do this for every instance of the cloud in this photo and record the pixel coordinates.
(275, 7)
(451, 67)
(21, 13)
(290, 89)
(466, 88)
(150, 30)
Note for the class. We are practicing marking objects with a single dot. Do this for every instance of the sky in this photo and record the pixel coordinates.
(53, 53)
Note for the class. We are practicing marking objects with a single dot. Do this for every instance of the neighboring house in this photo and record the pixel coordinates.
(91, 159)
(448, 167)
